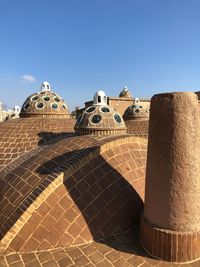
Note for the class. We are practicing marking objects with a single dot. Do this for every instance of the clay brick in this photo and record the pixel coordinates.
(45, 245)
(35, 219)
(53, 237)
(49, 222)
(57, 212)
(40, 234)
(113, 162)
(74, 252)
(25, 232)
(17, 264)
(81, 261)
(7, 207)
(74, 230)
(31, 245)
(32, 180)
(45, 257)
(65, 240)
(86, 198)
(95, 189)
(110, 154)
(62, 225)
(34, 263)
(106, 263)
(58, 254)
(86, 234)
(70, 215)
(14, 196)
(65, 202)
(96, 257)
(3, 262)
(61, 191)
(113, 256)
(81, 221)
(12, 258)
(65, 262)
(75, 193)
(43, 209)
(17, 243)
(82, 186)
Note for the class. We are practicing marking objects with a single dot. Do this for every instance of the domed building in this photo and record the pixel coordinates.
(125, 93)
(136, 111)
(44, 104)
(44, 117)
(75, 190)
(100, 119)
(136, 118)
(78, 199)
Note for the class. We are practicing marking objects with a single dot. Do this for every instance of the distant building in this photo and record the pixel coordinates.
(8, 114)
(124, 104)
(121, 103)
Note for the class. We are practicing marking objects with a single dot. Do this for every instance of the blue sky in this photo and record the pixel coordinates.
(81, 46)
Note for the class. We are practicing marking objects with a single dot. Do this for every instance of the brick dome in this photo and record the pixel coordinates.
(136, 111)
(45, 103)
(100, 119)
(125, 93)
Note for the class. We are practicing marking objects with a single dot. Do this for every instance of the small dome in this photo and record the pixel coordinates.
(136, 111)
(100, 119)
(16, 109)
(100, 98)
(45, 86)
(125, 93)
(44, 103)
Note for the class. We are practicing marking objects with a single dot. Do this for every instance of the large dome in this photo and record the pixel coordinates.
(100, 119)
(45, 103)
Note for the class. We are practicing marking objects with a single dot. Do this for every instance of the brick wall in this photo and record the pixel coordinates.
(120, 103)
(138, 127)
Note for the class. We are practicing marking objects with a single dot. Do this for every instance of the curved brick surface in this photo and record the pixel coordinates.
(170, 245)
(121, 250)
(22, 135)
(78, 189)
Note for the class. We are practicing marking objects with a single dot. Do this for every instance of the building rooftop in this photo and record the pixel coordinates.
(77, 200)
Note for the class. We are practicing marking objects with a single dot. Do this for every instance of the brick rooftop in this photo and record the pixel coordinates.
(122, 250)
(72, 200)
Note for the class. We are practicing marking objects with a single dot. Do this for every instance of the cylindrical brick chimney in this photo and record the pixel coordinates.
(170, 224)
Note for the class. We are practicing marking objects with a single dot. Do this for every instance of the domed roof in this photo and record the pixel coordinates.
(125, 93)
(136, 111)
(100, 119)
(45, 103)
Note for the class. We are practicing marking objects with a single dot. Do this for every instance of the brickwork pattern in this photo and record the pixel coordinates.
(158, 241)
(95, 201)
(121, 250)
(138, 127)
(101, 132)
(120, 104)
(22, 135)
